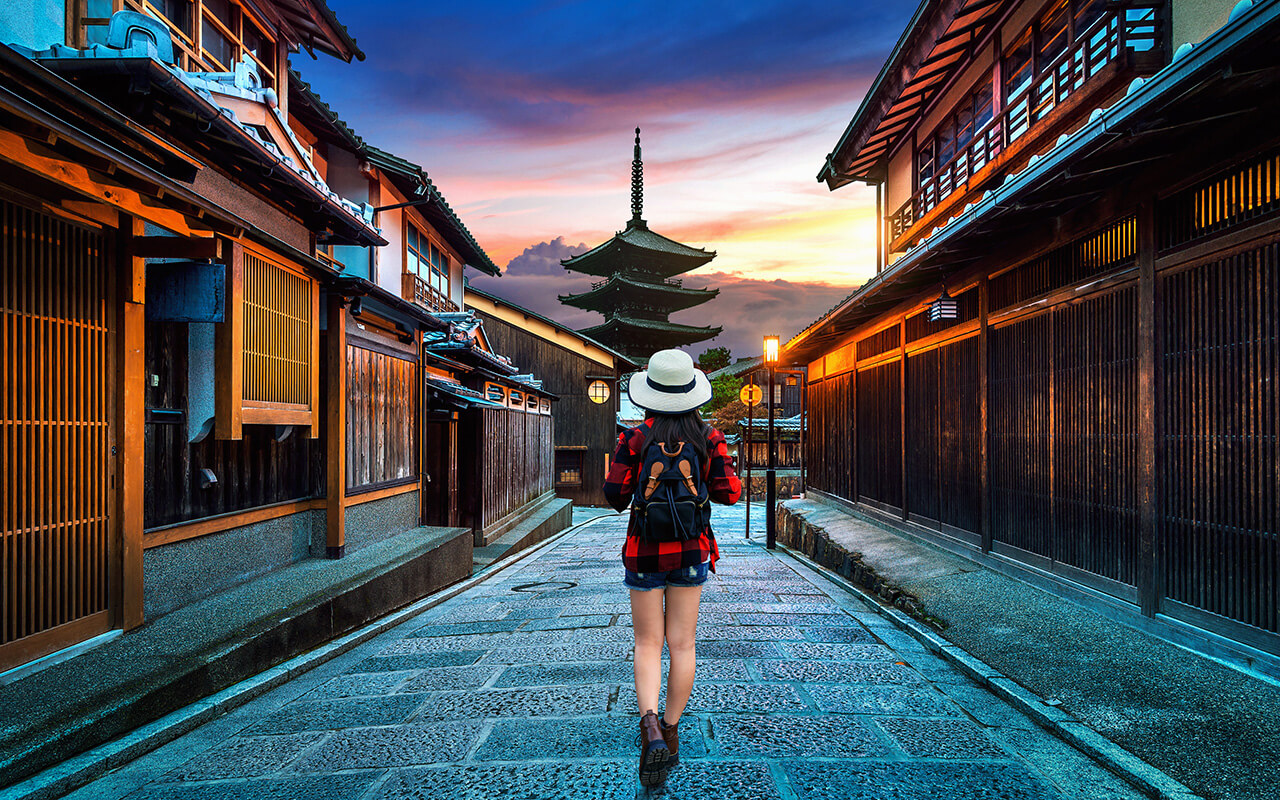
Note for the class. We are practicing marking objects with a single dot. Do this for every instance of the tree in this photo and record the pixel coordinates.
(724, 390)
(713, 358)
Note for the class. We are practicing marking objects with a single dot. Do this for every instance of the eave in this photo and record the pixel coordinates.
(620, 287)
(1219, 83)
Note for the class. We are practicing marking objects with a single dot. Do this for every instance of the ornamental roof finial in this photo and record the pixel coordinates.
(637, 183)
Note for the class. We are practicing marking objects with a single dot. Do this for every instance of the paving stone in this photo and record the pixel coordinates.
(789, 618)
(616, 651)
(472, 612)
(543, 702)
(835, 672)
(738, 649)
(754, 698)
(1074, 773)
(859, 635)
(750, 633)
(570, 623)
(553, 674)
(534, 612)
(246, 757)
(412, 661)
(333, 714)
(941, 738)
(490, 626)
(395, 746)
(886, 700)
(718, 669)
(439, 679)
(826, 651)
(798, 736)
(308, 787)
(985, 707)
(589, 737)
(818, 780)
(359, 684)
(721, 780)
(555, 780)
(475, 641)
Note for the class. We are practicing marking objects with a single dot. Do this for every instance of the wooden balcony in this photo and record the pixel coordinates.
(1126, 42)
(416, 290)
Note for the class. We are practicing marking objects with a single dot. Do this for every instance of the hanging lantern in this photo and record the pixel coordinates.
(942, 308)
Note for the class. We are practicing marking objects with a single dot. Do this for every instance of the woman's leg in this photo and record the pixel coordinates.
(682, 628)
(646, 624)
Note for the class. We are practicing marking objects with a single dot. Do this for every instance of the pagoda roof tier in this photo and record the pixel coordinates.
(620, 289)
(629, 334)
(638, 249)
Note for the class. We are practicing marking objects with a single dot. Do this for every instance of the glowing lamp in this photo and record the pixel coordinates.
(771, 349)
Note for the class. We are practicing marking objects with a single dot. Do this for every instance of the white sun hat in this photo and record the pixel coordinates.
(671, 384)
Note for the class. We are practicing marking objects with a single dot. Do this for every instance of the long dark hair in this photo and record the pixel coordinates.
(686, 427)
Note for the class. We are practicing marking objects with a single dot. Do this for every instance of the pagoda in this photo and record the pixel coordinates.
(639, 292)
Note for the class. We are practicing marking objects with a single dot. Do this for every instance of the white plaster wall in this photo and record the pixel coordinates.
(390, 259)
(33, 23)
(1193, 20)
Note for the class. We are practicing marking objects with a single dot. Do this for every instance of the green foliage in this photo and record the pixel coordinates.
(713, 358)
(724, 390)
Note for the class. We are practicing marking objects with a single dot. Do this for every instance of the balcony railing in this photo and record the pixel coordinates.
(1111, 40)
(416, 290)
(676, 282)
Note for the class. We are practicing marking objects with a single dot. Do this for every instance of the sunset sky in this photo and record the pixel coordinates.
(523, 114)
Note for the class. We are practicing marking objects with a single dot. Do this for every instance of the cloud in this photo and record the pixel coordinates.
(544, 258)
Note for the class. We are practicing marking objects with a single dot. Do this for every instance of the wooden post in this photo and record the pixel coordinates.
(131, 419)
(902, 410)
(984, 426)
(229, 350)
(1148, 556)
(336, 430)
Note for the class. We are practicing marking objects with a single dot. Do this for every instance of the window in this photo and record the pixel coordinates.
(955, 132)
(426, 260)
(598, 391)
(495, 393)
(1017, 67)
(517, 398)
(568, 467)
(1053, 34)
(210, 35)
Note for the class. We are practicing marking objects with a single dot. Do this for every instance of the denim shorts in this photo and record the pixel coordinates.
(685, 576)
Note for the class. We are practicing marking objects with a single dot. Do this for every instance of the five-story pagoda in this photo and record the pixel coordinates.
(638, 292)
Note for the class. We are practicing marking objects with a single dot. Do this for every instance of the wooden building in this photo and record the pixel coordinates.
(788, 385)
(584, 374)
(213, 337)
(1086, 196)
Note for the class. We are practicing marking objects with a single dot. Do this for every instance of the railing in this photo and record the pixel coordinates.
(675, 282)
(1133, 28)
(416, 290)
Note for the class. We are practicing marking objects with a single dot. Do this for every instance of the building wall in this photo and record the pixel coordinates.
(1193, 20)
(33, 23)
(579, 421)
(345, 178)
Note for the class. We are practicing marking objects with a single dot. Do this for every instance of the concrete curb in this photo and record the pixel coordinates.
(1138, 773)
(78, 771)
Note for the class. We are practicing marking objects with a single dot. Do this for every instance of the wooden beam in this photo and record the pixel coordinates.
(131, 420)
(984, 428)
(229, 350)
(1148, 555)
(336, 429)
(195, 248)
(25, 154)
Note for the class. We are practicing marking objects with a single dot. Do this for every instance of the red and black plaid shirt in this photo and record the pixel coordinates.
(722, 484)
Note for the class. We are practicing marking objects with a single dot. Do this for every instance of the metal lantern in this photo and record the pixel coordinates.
(942, 308)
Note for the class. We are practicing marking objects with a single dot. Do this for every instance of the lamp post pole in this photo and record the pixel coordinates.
(771, 474)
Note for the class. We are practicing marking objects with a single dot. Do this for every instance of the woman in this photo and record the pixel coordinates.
(670, 391)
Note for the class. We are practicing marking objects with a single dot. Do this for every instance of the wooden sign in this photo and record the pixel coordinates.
(751, 394)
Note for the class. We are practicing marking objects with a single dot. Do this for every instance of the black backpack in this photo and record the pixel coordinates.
(671, 496)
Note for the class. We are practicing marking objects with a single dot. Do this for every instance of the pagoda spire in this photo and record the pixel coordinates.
(637, 185)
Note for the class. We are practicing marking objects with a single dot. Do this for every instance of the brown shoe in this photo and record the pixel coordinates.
(654, 755)
(671, 735)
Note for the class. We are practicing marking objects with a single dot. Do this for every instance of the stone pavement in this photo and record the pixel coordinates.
(521, 687)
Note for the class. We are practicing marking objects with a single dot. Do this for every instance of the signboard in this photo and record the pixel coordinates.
(751, 394)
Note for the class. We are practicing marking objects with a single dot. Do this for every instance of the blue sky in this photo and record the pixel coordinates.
(523, 114)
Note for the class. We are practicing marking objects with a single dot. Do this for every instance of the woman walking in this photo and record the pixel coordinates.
(667, 469)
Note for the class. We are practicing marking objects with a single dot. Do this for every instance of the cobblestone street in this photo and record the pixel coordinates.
(521, 687)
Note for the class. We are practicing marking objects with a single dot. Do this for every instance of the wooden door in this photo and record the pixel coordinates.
(55, 434)
(437, 472)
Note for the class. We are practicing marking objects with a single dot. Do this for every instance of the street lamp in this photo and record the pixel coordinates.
(771, 472)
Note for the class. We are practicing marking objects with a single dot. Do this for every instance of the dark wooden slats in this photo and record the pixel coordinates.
(919, 326)
(517, 456)
(830, 443)
(1113, 248)
(1241, 195)
(1220, 477)
(382, 402)
(55, 342)
(879, 420)
(877, 343)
